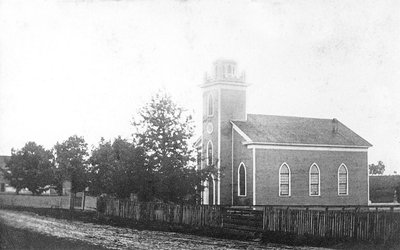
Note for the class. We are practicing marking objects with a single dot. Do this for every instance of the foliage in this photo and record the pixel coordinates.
(158, 165)
(164, 131)
(377, 169)
(31, 168)
(71, 163)
(116, 168)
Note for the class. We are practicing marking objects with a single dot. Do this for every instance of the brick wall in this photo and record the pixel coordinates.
(233, 107)
(244, 155)
(299, 161)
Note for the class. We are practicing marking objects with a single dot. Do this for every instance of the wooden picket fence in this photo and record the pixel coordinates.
(200, 216)
(367, 223)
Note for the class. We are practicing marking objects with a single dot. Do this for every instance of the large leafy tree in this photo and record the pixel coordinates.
(31, 168)
(377, 168)
(117, 168)
(101, 170)
(164, 131)
(71, 163)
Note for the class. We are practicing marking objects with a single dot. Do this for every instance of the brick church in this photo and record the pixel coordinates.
(275, 160)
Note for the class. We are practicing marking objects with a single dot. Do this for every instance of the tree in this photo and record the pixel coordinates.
(31, 168)
(164, 131)
(71, 163)
(377, 169)
(101, 169)
(116, 168)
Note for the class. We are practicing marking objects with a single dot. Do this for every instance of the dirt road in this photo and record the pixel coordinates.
(65, 234)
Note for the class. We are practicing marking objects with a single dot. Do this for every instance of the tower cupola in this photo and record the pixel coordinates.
(225, 71)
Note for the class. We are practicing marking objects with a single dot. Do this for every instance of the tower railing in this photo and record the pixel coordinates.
(225, 78)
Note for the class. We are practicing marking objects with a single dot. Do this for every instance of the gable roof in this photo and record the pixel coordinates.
(298, 130)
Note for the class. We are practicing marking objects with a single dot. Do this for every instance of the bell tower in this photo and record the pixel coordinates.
(224, 99)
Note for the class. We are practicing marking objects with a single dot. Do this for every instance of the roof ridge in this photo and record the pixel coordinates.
(290, 116)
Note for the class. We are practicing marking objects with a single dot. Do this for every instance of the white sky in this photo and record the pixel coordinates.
(85, 67)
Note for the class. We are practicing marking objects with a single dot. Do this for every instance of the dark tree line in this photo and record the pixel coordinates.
(158, 163)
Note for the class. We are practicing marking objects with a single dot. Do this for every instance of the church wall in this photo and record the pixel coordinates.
(245, 155)
(233, 105)
(268, 162)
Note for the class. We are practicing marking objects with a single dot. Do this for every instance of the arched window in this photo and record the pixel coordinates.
(206, 193)
(284, 180)
(314, 180)
(209, 153)
(213, 189)
(230, 71)
(343, 180)
(242, 183)
(210, 108)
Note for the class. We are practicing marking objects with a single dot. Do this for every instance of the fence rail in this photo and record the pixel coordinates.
(379, 224)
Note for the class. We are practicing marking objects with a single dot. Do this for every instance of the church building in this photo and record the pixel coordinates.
(275, 160)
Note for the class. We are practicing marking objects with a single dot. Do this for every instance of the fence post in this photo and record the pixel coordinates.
(288, 219)
(391, 223)
(342, 232)
(222, 214)
(356, 223)
(117, 208)
(83, 200)
(264, 217)
(376, 224)
(326, 221)
(181, 215)
(308, 226)
(385, 226)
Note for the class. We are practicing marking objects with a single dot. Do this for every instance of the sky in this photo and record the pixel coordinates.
(86, 67)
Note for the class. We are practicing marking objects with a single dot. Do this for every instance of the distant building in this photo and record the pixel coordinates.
(275, 160)
(384, 188)
(3, 181)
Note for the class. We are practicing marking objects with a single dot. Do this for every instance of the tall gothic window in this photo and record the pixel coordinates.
(342, 180)
(314, 180)
(209, 153)
(284, 180)
(213, 191)
(242, 180)
(210, 108)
